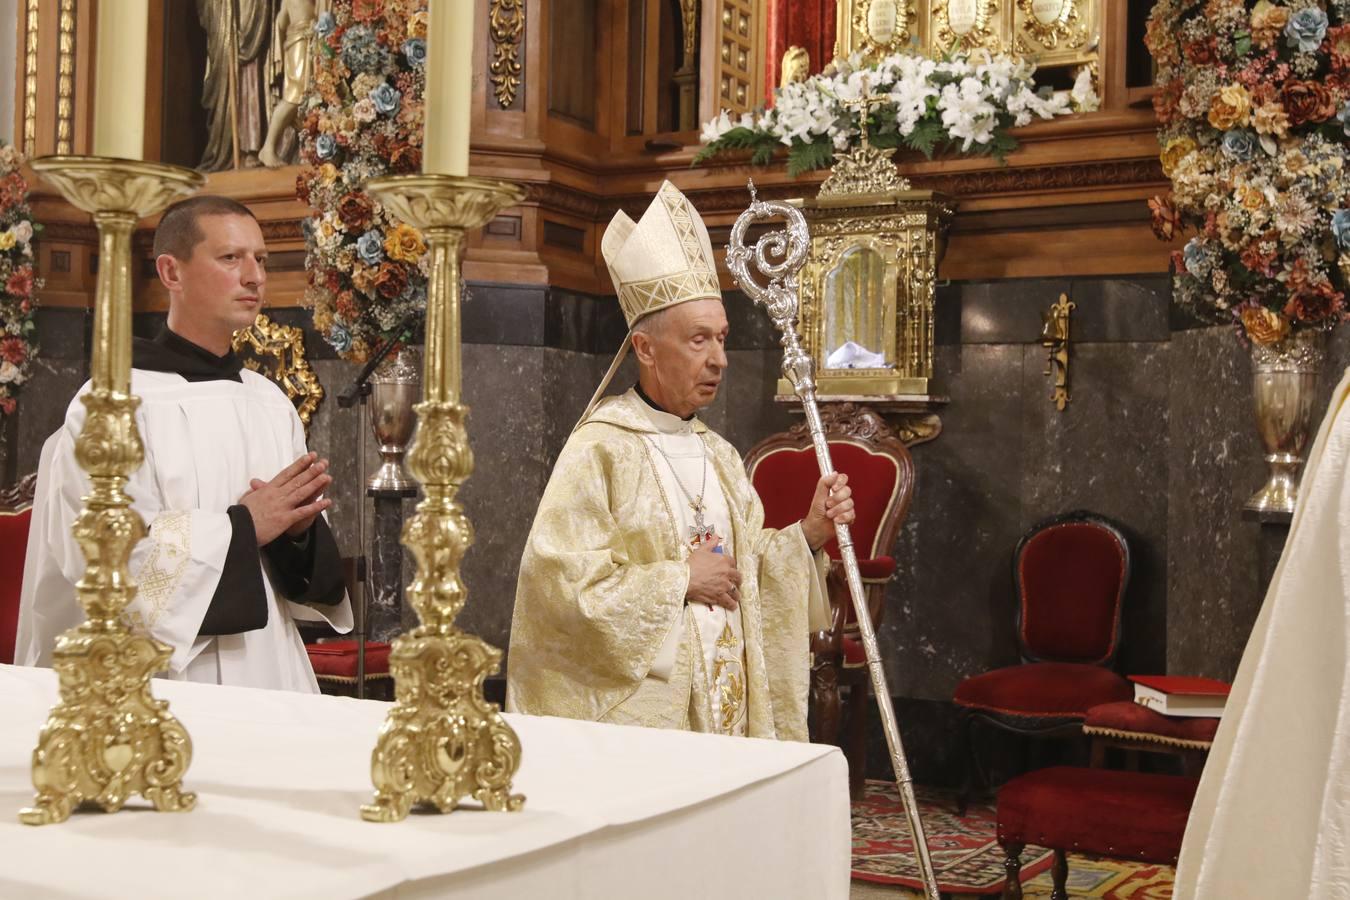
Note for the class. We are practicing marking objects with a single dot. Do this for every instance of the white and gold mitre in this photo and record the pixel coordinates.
(664, 259)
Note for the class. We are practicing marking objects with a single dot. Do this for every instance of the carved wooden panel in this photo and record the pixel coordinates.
(738, 74)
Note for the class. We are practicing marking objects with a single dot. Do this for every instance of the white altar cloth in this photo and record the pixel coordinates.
(280, 777)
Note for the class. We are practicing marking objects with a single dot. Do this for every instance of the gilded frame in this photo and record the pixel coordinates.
(285, 345)
(1072, 37)
(989, 30)
(854, 30)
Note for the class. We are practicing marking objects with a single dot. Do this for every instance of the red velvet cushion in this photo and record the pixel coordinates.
(1043, 689)
(1070, 578)
(786, 479)
(338, 658)
(854, 653)
(1128, 815)
(13, 546)
(1131, 718)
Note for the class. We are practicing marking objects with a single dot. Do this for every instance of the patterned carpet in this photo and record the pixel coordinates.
(967, 858)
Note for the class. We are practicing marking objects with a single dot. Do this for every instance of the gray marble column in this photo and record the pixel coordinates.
(385, 586)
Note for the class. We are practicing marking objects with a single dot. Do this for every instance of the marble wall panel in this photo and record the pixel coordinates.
(1107, 453)
(1214, 584)
(949, 608)
(1220, 564)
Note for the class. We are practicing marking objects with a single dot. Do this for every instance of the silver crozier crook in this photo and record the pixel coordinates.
(778, 256)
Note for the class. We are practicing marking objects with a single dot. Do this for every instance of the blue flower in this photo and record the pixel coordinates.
(325, 146)
(1340, 226)
(360, 51)
(324, 25)
(1344, 118)
(307, 228)
(415, 49)
(1196, 259)
(385, 99)
(370, 247)
(340, 338)
(1306, 29)
(1239, 144)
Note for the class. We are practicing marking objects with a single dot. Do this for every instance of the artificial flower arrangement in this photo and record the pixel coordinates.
(1251, 100)
(363, 118)
(968, 102)
(18, 284)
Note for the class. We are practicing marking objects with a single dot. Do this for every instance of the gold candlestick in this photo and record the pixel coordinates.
(108, 738)
(442, 741)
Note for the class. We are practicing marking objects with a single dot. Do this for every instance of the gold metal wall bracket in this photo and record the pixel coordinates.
(108, 738)
(442, 741)
(1055, 339)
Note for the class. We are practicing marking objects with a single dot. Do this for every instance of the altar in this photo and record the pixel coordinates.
(610, 812)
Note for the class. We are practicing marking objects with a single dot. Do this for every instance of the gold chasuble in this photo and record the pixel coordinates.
(601, 630)
(602, 587)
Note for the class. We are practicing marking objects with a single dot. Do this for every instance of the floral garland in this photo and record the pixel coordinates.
(1253, 123)
(968, 101)
(18, 331)
(364, 117)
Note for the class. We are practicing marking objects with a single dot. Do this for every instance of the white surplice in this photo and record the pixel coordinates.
(1272, 815)
(203, 442)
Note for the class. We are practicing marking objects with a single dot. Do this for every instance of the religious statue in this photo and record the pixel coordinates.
(295, 35)
(796, 65)
(234, 89)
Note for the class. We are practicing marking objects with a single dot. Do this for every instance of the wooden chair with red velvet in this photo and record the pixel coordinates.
(784, 472)
(1070, 573)
(16, 510)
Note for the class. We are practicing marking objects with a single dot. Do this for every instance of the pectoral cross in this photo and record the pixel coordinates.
(700, 531)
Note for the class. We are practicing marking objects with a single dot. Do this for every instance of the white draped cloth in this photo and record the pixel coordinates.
(1272, 815)
(203, 442)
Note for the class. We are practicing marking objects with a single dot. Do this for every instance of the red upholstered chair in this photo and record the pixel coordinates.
(16, 508)
(784, 472)
(1127, 815)
(1070, 573)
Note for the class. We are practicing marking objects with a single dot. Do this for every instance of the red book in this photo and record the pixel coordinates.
(1180, 695)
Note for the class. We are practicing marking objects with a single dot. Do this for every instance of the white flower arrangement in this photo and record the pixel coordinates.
(968, 102)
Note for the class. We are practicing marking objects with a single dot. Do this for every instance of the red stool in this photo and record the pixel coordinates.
(334, 665)
(1127, 815)
(1137, 729)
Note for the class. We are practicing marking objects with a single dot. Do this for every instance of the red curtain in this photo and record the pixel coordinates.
(800, 23)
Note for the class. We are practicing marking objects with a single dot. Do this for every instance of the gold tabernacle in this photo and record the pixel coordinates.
(442, 741)
(108, 738)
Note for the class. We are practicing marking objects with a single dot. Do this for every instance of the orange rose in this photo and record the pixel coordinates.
(1264, 326)
(1230, 107)
(1268, 20)
(404, 243)
(1176, 150)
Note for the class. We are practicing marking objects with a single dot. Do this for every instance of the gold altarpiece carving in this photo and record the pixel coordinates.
(1056, 33)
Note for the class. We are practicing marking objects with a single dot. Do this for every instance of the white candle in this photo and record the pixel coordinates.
(445, 144)
(119, 78)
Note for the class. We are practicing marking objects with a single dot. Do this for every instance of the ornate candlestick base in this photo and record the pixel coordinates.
(442, 741)
(108, 738)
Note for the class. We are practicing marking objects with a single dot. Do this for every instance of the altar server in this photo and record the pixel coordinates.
(650, 591)
(237, 546)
